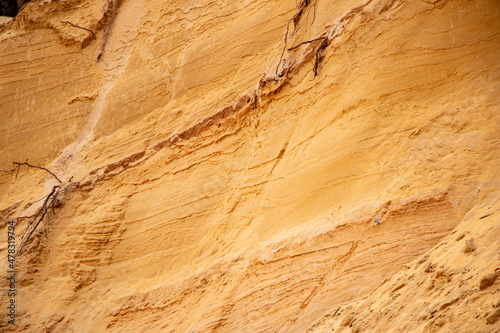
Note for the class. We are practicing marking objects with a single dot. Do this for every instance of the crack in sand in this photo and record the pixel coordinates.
(69, 162)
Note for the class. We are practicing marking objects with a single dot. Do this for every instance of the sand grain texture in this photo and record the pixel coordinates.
(218, 176)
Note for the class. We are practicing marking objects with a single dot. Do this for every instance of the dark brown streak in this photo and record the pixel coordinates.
(323, 45)
(36, 219)
(284, 47)
(295, 20)
(77, 26)
(307, 42)
(255, 96)
(18, 166)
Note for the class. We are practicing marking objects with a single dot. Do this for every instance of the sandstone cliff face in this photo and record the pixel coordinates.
(246, 166)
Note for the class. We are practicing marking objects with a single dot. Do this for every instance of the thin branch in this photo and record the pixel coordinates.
(36, 219)
(299, 13)
(323, 45)
(77, 26)
(307, 42)
(18, 166)
(295, 20)
(284, 47)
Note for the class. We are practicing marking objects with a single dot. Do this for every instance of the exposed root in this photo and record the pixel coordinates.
(299, 13)
(317, 60)
(48, 205)
(77, 26)
(35, 220)
(284, 47)
(295, 19)
(18, 167)
(306, 42)
(325, 38)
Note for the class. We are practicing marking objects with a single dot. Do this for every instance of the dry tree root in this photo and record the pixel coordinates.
(77, 26)
(325, 38)
(295, 19)
(299, 13)
(35, 220)
(48, 206)
(321, 47)
(284, 47)
(324, 43)
(307, 42)
(18, 167)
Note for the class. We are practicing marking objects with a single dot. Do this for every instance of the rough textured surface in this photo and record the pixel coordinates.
(219, 174)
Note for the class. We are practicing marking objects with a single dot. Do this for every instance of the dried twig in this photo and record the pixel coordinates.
(324, 43)
(322, 46)
(299, 12)
(295, 20)
(77, 26)
(284, 47)
(307, 42)
(48, 205)
(18, 167)
(39, 216)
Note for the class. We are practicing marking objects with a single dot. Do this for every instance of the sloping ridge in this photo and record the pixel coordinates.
(340, 262)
